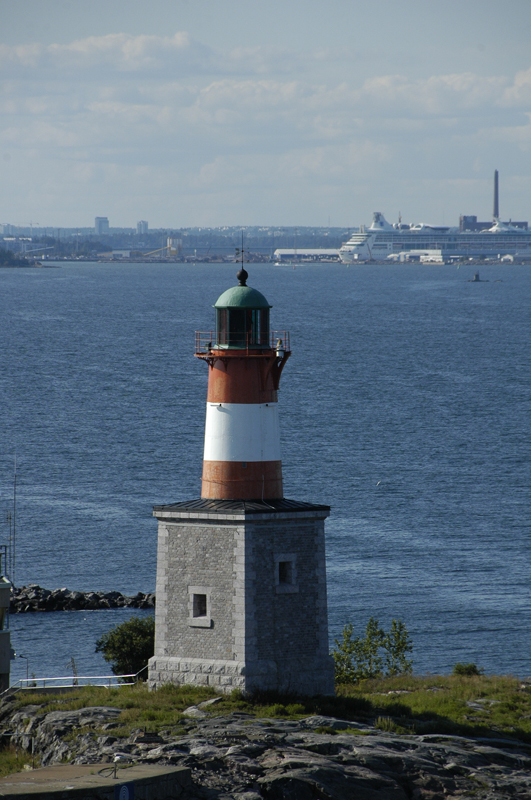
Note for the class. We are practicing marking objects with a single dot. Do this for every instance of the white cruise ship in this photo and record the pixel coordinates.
(472, 239)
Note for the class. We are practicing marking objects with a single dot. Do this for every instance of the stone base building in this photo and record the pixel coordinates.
(241, 597)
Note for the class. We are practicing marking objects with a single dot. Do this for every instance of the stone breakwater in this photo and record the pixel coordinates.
(238, 757)
(27, 599)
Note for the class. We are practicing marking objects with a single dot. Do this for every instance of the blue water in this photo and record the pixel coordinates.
(405, 406)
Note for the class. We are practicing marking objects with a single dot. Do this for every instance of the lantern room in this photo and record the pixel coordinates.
(242, 317)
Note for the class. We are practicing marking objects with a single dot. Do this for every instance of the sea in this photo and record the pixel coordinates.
(405, 406)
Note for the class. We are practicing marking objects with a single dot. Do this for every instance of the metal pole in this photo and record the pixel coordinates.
(14, 517)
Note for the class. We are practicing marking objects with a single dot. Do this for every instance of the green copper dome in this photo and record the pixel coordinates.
(241, 297)
(242, 317)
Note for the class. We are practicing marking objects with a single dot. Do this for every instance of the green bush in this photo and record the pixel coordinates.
(389, 725)
(466, 669)
(375, 655)
(295, 708)
(129, 646)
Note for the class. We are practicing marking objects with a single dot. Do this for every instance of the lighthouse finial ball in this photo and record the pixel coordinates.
(242, 276)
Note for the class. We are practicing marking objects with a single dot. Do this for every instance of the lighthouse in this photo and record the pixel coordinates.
(241, 576)
(242, 437)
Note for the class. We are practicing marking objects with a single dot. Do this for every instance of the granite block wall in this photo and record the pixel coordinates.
(260, 615)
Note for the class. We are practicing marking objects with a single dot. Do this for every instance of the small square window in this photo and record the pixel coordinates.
(199, 605)
(285, 572)
(199, 613)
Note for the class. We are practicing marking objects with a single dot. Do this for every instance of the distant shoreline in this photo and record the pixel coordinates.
(327, 263)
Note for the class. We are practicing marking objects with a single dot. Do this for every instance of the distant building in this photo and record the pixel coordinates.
(101, 226)
(306, 254)
(175, 246)
(424, 256)
(142, 226)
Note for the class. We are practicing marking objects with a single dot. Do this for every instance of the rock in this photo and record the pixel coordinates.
(330, 782)
(211, 702)
(205, 751)
(26, 599)
(147, 738)
(247, 796)
(244, 764)
(238, 757)
(329, 722)
(194, 712)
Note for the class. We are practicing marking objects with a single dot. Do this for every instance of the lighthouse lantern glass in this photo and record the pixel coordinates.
(242, 327)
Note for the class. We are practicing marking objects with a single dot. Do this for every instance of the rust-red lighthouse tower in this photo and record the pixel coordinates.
(242, 436)
(241, 579)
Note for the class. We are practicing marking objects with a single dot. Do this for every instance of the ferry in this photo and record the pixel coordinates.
(471, 240)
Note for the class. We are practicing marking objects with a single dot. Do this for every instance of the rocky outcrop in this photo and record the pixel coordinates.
(242, 758)
(34, 598)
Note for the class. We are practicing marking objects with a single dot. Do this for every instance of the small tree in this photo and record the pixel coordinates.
(129, 646)
(344, 656)
(397, 645)
(371, 664)
(359, 658)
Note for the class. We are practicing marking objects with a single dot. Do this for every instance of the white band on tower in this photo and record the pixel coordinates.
(242, 432)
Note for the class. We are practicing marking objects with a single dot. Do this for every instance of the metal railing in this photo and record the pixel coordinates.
(73, 682)
(205, 341)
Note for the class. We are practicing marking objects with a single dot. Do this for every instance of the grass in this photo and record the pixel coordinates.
(149, 711)
(499, 705)
(13, 760)
(405, 704)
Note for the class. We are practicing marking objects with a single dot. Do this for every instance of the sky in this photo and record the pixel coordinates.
(236, 112)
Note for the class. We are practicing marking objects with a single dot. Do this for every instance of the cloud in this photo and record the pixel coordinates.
(101, 109)
(519, 93)
(113, 54)
(150, 56)
(516, 135)
(315, 163)
(436, 96)
(27, 55)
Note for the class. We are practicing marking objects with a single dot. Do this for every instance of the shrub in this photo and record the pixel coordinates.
(389, 725)
(295, 708)
(373, 656)
(129, 646)
(466, 669)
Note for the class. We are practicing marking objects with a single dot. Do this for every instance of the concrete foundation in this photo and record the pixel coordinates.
(96, 782)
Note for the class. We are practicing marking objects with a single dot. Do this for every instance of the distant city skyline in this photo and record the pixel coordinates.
(292, 113)
(55, 231)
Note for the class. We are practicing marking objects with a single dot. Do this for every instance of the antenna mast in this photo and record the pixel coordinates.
(240, 252)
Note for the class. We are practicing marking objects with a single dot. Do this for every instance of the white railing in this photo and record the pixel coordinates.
(69, 681)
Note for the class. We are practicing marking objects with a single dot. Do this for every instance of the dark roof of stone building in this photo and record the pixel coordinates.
(242, 506)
